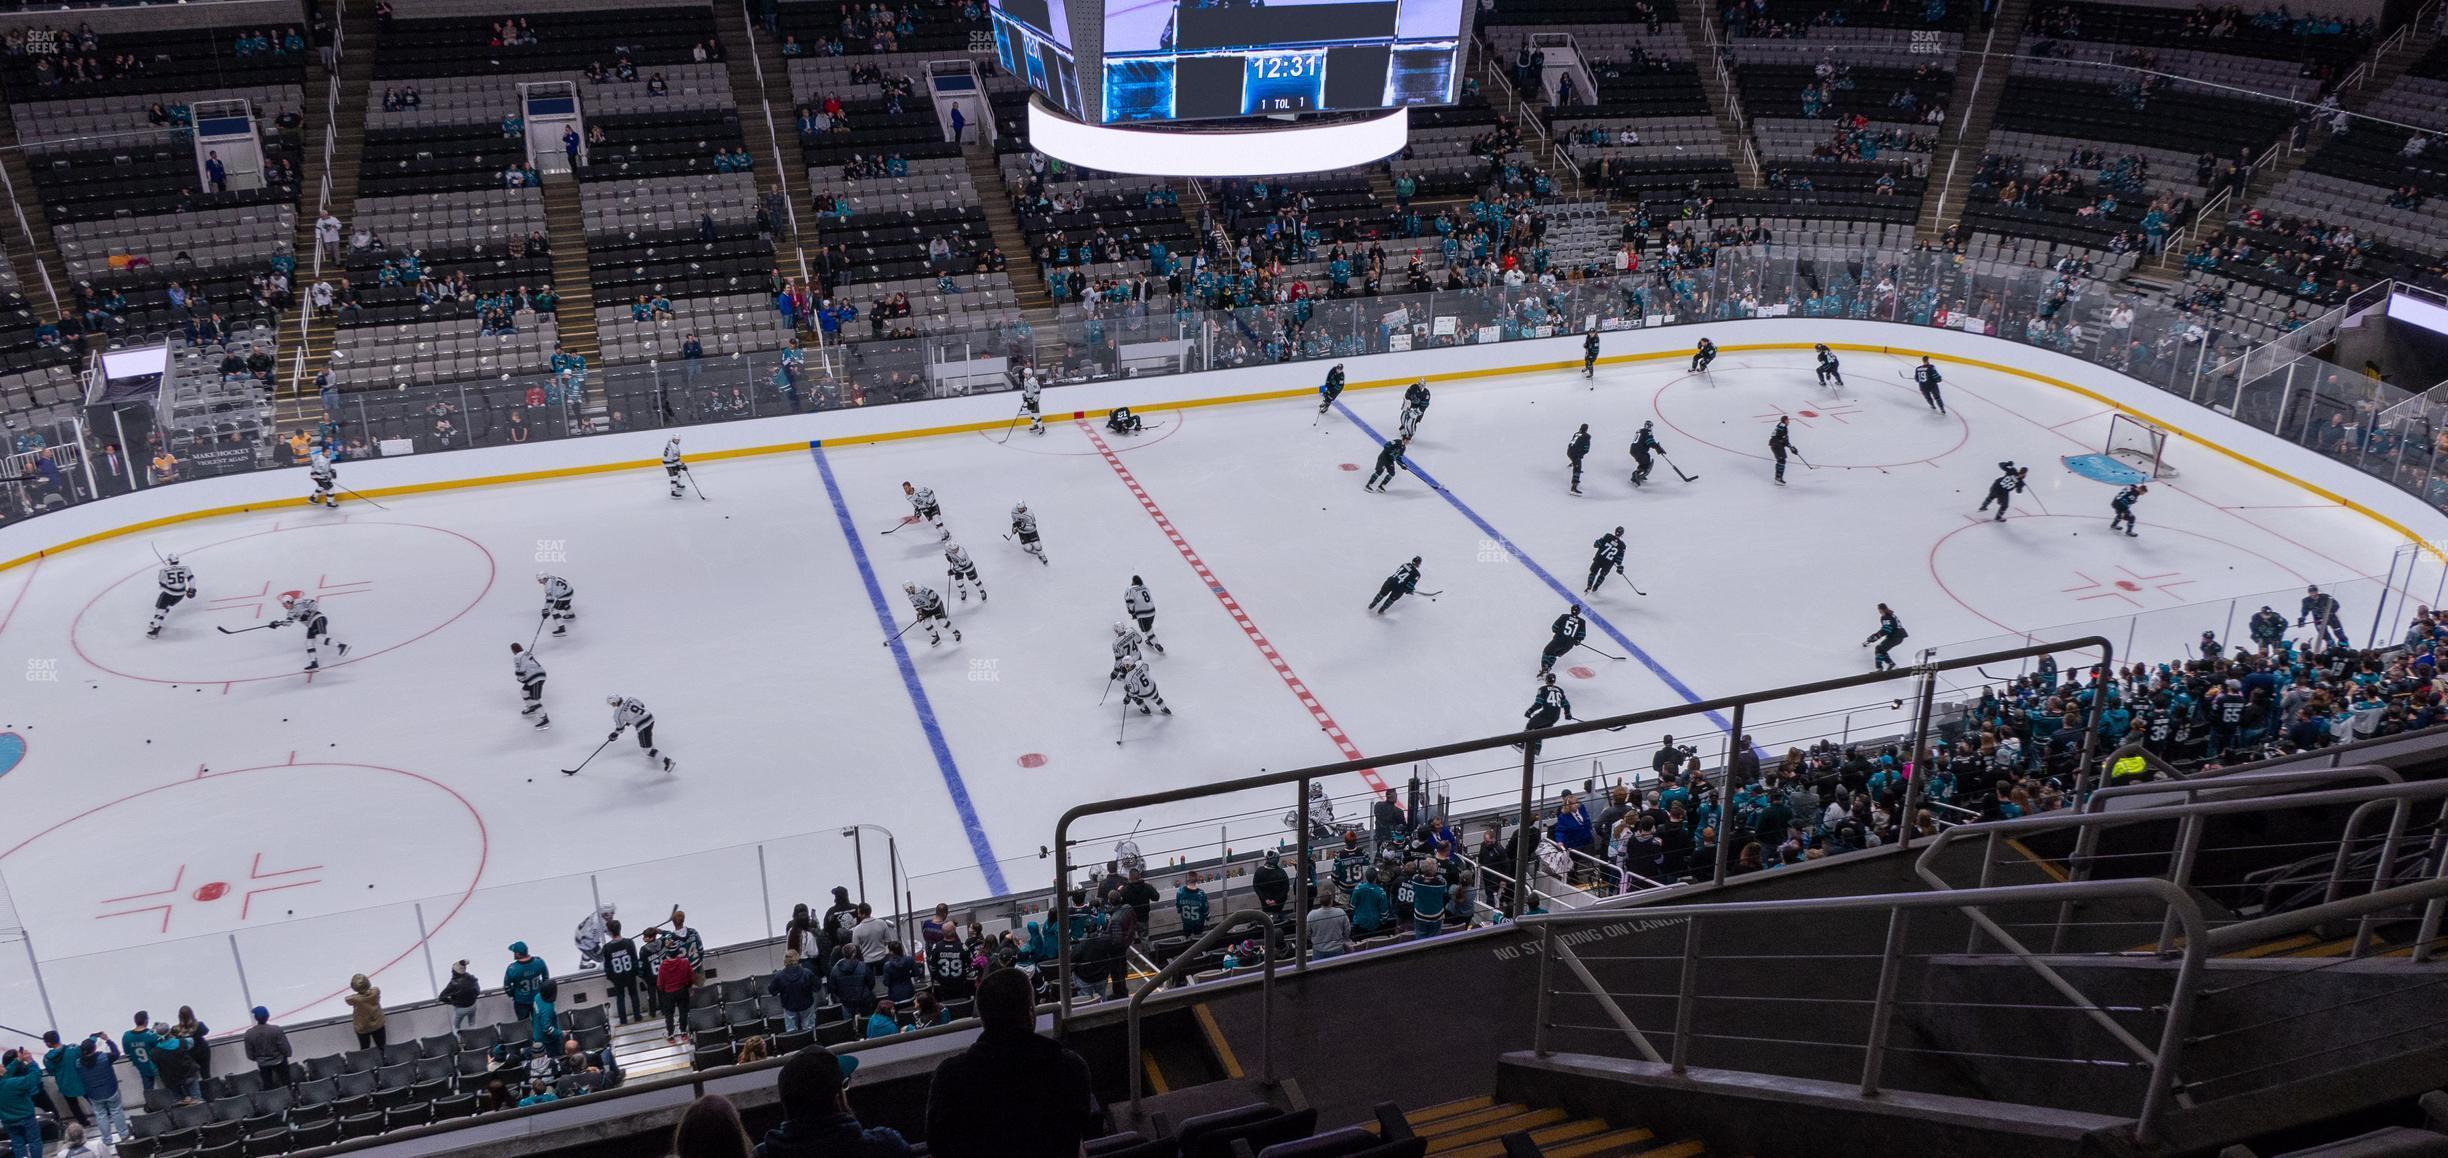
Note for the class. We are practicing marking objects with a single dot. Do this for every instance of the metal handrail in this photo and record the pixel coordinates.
(1181, 963)
(773, 137)
(2190, 815)
(1525, 818)
(2162, 1059)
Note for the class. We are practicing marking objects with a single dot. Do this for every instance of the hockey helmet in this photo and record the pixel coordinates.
(615, 701)
(170, 560)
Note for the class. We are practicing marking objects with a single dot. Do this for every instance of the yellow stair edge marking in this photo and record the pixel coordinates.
(1612, 1139)
(1687, 1148)
(2055, 871)
(1448, 1109)
(2337, 948)
(1469, 1118)
(1215, 1041)
(1155, 1076)
(1556, 1135)
(1497, 1129)
(2281, 946)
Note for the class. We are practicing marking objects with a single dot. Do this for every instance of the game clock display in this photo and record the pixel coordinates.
(1283, 82)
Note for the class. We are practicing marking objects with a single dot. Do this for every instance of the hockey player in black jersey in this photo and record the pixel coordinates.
(2321, 610)
(1827, 367)
(1548, 706)
(1644, 444)
(1388, 460)
(1403, 581)
(1575, 448)
(1589, 354)
(1890, 633)
(2123, 505)
(1926, 377)
(2009, 480)
(1703, 355)
(1564, 635)
(1415, 396)
(1122, 421)
(2268, 628)
(1608, 559)
(1780, 442)
(1332, 390)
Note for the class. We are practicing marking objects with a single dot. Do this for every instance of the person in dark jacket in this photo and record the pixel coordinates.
(97, 1062)
(622, 973)
(460, 994)
(899, 974)
(816, 1117)
(838, 919)
(1272, 885)
(1011, 1094)
(795, 985)
(267, 1045)
(851, 982)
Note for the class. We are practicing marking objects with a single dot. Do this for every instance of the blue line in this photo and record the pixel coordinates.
(978, 846)
(1485, 528)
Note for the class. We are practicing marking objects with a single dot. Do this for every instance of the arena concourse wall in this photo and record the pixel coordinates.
(2194, 429)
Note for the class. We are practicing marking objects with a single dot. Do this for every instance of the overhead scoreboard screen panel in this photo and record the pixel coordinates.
(1161, 60)
(1033, 40)
(1197, 59)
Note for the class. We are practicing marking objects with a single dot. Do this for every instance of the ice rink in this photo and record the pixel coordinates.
(193, 820)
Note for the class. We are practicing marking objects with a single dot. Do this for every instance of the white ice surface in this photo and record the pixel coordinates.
(192, 807)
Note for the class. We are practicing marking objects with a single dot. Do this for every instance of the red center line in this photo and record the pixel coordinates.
(1257, 638)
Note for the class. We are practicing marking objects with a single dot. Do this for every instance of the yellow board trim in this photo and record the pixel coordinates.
(2426, 542)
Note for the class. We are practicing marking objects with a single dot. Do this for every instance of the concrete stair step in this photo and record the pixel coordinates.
(1548, 1138)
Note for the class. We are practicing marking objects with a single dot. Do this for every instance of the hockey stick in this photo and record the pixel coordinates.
(244, 630)
(905, 521)
(896, 636)
(539, 631)
(1670, 464)
(1798, 457)
(592, 755)
(1109, 683)
(1430, 595)
(363, 499)
(1008, 427)
(1616, 658)
(1620, 574)
(692, 477)
(1122, 725)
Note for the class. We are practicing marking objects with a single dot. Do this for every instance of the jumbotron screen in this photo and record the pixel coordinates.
(1115, 61)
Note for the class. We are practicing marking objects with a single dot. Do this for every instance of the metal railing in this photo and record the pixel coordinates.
(2160, 1059)
(1725, 714)
(1181, 963)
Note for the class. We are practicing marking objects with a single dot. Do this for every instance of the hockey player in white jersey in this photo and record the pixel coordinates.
(1411, 416)
(530, 675)
(1029, 389)
(557, 596)
(930, 609)
(627, 713)
(923, 508)
(1125, 650)
(1139, 688)
(962, 571)
(1142, 607)
(674, 466)
(306, 612)
(319, 468)
(177, 586)
(1024, 528)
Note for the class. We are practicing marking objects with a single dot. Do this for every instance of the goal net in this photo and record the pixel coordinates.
(2138, 444)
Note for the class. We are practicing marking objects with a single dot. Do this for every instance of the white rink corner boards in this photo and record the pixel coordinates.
(2197, 430)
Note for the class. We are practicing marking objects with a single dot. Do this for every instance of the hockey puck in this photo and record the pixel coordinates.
(531, 780)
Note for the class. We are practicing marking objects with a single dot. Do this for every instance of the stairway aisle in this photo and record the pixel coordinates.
(1980, 84)
(45, 253)
(574, 321)
(356, 76)
(1725, 105)
(2385, 71)
(1029, 290)
(731, 24)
